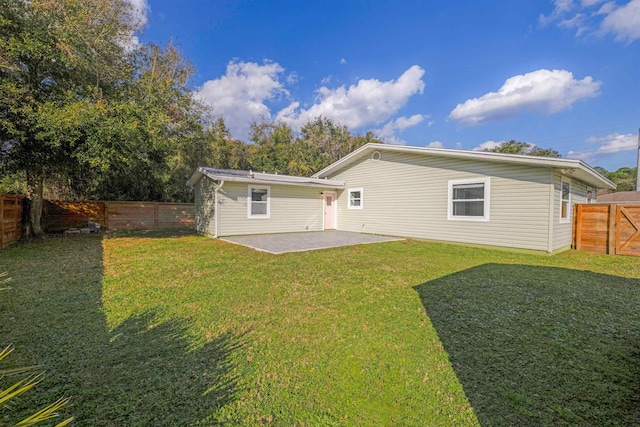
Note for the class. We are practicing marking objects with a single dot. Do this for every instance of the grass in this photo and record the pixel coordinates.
(169, 329)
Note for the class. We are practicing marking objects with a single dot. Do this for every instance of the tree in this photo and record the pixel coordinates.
(624, 178)
(149, 137)
(271, 149)
(81, 103)
(55, 55)
(321, 142)
(524, 149)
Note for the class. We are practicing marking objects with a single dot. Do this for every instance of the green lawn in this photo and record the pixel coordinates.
(170, 329)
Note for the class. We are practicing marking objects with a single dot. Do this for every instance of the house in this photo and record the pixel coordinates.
(629, 197)
(428, 193)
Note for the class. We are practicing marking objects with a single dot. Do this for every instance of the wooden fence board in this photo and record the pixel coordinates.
(131, 215)
(114, 215)
(608, 228)
(61, 215)
(10, 219)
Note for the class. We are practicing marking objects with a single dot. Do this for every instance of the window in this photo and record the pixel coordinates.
(355, 198)
(258, 206)
(469, 200)
(565, 201)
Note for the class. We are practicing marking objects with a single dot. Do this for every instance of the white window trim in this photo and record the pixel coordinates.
(568, 218)
(487, 196)
(353, 190)
(249, 202)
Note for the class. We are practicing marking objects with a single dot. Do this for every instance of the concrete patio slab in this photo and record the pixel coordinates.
(309, 241)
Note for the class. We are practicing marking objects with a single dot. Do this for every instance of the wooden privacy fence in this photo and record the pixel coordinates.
(10, 218)
(607, 228)
(62, 215)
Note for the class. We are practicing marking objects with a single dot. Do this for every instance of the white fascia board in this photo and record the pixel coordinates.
(281, 179)
(328, 184)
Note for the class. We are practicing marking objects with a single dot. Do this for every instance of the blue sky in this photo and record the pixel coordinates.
(562, 74)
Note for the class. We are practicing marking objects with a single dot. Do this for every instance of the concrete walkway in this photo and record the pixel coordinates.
(309, 241)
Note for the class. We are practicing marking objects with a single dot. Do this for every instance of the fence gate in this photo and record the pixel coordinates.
(628, 229)
(607, 228)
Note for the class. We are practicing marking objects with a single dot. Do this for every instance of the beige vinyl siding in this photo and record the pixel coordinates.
(204, 206)
(407, 195)
(562, 231)
(291, 209)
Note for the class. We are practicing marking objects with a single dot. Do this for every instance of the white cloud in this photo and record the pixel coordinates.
(140, 11)
(561, 7)
(394, 140)
(607, 8)
(487, 145)
(239, 96)
(590, 3)
(292, 78)
(543, 91)
(401, 123)
(623, 21)
(343, 61)
(243, 93)
(578, 22)
(609, 144)
(435, 144)
(326, 80)
(368, 102)
(388, 131)
(140, 18)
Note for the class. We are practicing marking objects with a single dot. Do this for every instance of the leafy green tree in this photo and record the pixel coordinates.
(624, 178)
(271, 149)
(146, 136)
(523, 148)
(13, 183)
(321, 142)
(80, 103)
(222, 151)
(55, 56)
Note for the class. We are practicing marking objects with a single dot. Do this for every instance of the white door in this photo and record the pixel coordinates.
(329, 211)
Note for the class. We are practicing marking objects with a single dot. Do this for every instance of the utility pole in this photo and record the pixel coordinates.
(638, 165)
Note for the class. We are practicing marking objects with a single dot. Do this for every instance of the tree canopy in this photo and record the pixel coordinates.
(84, 107)
(523, 148)
(624, 178)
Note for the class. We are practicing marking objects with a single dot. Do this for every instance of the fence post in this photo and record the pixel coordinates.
(105, 212)
(155, 216)
(577, 224)
(611, 229)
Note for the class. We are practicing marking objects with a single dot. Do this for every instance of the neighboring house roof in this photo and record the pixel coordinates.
(620, 197)
(260, 178)
(570, 167)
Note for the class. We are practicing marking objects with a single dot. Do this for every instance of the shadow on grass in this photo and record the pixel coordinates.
(539, 345)
(145, 372)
